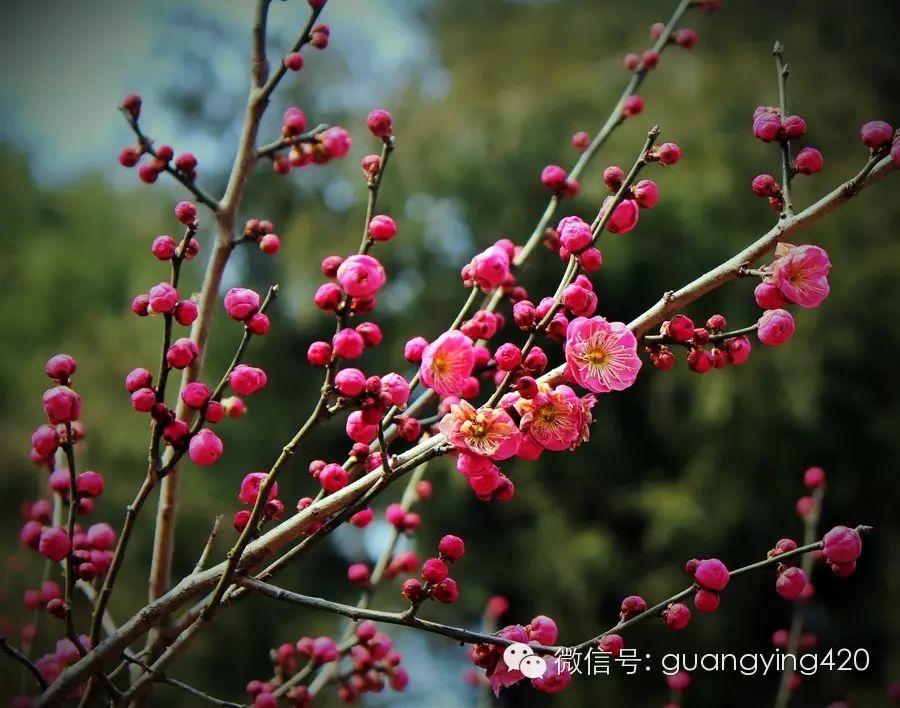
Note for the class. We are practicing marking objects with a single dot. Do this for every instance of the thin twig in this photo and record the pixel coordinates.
(16, 655)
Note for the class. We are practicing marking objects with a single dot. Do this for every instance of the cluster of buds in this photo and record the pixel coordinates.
(374, 664)
(262, 232)
(649, 59)
(490, 269)
(711, 576)
(557, 180)
(436, 582)
(161, 158)
(708, 347)
(331, 144)
(542, 630)
(249, 494)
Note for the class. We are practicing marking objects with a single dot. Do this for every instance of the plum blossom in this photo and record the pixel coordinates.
(486, 432)
(601, 356)
(555, 419)
(802, 275)
(447, 362)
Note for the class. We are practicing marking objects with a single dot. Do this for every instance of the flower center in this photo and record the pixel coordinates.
(597, 356)
(440, 365)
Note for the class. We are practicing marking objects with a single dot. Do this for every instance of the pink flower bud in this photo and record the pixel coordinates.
(414, 349)
(768, 296)
(186, 312)
(814, 477)
(508, 357)
(162, 298)
(876, 134)
(45, 440)
(143, 400)
(650, 59)
(195, 395)
(348, 344)
(808, 161)
(319, 353)
(382, 228)
(611, 644)
(186, 213)
(130, 156)
(631, 61)
(205, 448)
(581, 141)
(613, 177)
(361, 276)
(434, 570)
(396, 387)
(132, 105)
(712, 574)
(676, 616)
(241, 303)
(360, 431)
(358, 573)
(646, 193)
(791, 583)
(446, 591)
(370, 332)
(767, 126)
(553, 177)
(101, 537)
(54, 544)
(89, 484)
(633, 106)
(668, 153)
(250, 488)
(738, 350)
(182, 353)
(337, 142)
(350, 382)
(765, 185)
(293, 61)
(258, 324)
(246, 380)
(452, 547)
(60, 368)
(793, 127)
(490, 268)
(362, 518)
(686, 38)
(574, 234)
(624, 218)
(775, 327)
(62, 405)
(379, 123)
(324, 649)
(590, 259)
(842, 545)
(270, 244)
(186, 162)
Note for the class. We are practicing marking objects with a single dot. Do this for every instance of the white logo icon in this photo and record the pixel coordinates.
(521, 657)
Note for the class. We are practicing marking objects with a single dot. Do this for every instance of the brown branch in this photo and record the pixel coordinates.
(471, 637)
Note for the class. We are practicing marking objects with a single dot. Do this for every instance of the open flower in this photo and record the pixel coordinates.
(556, 418)
(447, 362)
(601, 356)
(802, 275)
(486, 432)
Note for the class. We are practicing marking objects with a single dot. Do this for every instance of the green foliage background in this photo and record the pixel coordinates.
(679, 466)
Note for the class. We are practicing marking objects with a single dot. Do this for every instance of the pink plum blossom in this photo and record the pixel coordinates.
(488, 432)
(802, 275)
(489, 268)
(554, 419)
(601, 356)
(447, 362)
